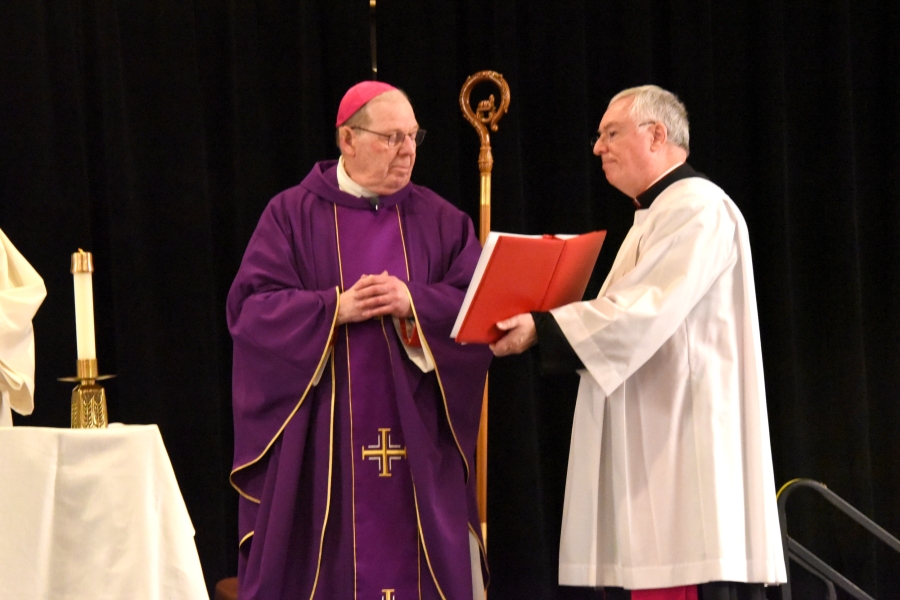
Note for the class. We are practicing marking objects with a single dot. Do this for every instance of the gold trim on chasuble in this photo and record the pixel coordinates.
(337, 237)
(326, 354)
(427, 349)
(328, 496)
(309, 385)
(352, 443)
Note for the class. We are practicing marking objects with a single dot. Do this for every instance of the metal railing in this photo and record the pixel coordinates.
(793, 550)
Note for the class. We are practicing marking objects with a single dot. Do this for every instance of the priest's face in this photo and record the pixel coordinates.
(369, 158)
(625, 148)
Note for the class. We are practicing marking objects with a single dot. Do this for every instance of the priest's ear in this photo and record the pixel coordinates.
(344, 135)
(660, 135)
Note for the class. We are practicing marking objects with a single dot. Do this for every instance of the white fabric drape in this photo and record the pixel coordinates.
(21, 293)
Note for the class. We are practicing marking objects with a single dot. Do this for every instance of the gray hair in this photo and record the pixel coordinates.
(652, 103)
(358, 119)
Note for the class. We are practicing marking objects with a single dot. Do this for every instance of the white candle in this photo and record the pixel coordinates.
(82, 269)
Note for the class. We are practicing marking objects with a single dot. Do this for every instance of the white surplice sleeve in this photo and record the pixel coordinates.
(21, 293)
(671, 258)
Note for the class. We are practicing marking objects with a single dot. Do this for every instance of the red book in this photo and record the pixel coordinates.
(522, 273)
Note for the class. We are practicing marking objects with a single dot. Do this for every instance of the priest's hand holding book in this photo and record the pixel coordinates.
(520, 335)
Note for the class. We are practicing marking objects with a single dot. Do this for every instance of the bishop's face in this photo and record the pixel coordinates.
(625, 149)
(368, 157)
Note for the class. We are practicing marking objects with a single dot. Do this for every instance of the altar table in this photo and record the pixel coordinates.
(93, 514)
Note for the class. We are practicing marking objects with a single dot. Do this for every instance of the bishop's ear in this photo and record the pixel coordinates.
(345, 140)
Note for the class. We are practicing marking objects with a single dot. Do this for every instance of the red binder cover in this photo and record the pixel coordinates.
(518, 273)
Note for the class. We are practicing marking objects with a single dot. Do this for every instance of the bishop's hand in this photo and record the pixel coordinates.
(374, 296)
(520, 335)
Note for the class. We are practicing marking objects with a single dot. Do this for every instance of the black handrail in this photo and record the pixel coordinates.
(809, 561)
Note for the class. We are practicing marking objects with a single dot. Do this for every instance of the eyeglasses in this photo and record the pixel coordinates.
(396, 138)
(610, 134)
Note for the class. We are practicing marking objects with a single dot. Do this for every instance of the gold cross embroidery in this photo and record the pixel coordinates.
(384, 452)
(387, 595)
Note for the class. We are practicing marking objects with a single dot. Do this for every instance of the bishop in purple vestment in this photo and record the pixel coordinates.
(355, 413)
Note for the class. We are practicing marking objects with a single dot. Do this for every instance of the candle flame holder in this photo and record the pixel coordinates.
(82, 262)
(88, 398)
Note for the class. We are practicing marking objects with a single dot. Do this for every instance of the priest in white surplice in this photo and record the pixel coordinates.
(670, 484)
(21, 293)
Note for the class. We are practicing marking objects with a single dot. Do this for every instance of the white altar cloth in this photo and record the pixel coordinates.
(93, 514)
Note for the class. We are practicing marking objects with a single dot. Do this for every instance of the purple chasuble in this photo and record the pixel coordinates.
(362, 482)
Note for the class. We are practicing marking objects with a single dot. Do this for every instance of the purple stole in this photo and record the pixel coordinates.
(372, 524)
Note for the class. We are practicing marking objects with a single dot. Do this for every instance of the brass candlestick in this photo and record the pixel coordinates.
(88, 398)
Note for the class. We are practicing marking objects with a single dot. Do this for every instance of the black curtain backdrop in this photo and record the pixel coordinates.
(154, 133)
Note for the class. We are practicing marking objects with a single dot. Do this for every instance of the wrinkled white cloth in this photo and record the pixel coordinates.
(93, 514)
(21, 293)
(670, 479)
